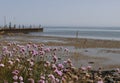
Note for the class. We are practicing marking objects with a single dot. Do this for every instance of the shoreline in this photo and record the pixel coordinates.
(83, 42)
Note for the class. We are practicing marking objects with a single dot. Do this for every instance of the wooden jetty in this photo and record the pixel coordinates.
(21, 30)
(5, 30)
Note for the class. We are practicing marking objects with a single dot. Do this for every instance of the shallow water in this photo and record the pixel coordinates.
(100, 56)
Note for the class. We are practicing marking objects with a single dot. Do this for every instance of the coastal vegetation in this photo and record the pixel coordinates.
(37, 63)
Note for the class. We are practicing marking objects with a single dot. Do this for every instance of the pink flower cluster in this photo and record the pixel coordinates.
(37, 63)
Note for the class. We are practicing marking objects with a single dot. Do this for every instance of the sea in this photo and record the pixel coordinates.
(105, 33)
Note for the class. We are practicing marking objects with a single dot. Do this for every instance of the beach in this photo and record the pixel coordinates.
(82, 51)
(60, 41)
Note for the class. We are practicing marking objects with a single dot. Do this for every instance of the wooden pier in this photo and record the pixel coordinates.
(22, 29)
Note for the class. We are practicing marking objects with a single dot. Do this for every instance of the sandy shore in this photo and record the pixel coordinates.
(79, 57)
(50, 40)
(81, 42)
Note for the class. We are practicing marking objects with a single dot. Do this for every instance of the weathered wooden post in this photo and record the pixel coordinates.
(39, 26)
(10, 25)
(30, 26)
(23, 26)
(19, 26)
(14, 26)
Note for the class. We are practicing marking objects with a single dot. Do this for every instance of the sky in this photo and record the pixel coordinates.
(105, 13)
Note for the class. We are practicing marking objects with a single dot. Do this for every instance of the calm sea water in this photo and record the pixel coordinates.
(109, 33)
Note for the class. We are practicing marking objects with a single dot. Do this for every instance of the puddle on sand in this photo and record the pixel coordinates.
(112, 57)
(97, 55)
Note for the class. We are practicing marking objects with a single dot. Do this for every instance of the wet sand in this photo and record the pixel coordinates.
(80, 49)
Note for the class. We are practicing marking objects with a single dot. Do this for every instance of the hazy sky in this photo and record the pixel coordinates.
(61, 12)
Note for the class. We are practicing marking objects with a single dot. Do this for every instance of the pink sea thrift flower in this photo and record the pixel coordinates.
(31, 80)
(55, 58)
(57, 80)
(15, 72)
(15, 77)
(65, 62)
(5, 81)
(20, 46)
(2, 65)
(47, 50)
(18, 60)
(22, 50)
(68, 63)
(28, 60)
(41, 52)
(35, 46)
(10, 62)
(66, 50)
(100, 82)
(41, 48)
(21, 82)
(30, 69)
(21, 78)
(118, 70)
(54, 67)
(42, 77)
(51, 76)
(28, 46)
(41, 81)
(89, 67)
(58, 72)
(4, 48)
(47, 64)
(15, 82)
(34, 52)
(60, 66)
(31, 63)
(14, 50)
(83, 68)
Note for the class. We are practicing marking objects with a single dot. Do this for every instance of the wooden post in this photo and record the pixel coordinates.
(76, 34)
(10, 25)
(14, 26)
(19, 26)
(4, 21)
